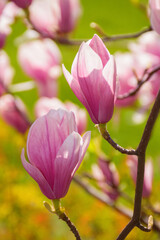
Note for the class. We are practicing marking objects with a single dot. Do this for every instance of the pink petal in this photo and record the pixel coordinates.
(38, 177)
(66, 160)
(98, 46)
(44, 141)
(86, 140)
(110, 73)
(88, 60)
(74, 84)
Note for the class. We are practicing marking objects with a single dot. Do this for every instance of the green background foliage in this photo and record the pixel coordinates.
(22, 214)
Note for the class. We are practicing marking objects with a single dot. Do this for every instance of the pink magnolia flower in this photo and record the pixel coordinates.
(130, 69)
(6, 72)
(148, 46)
(93, 79)
(41, 59)
(7, 17)
(107, 177)
(55, 151)
(44, 105)
(148, 174)
(14, 113)
(52, 18)
(22, 3)
(155, 14)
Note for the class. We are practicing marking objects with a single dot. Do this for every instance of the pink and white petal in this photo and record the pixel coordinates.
(36, 174)
(155, 20)
(74, 84)
(98, 46)
(68, 124)
(74, 67)
(85, 143)
(106, 103)
(66, 160)
(91, 89)
(88, 60)
(43, 144)
(110, 73)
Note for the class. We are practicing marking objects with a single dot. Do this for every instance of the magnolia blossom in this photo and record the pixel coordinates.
(148, 45)
(6, 72)
(52, 18)
(148, 174)
(40, 59)
(93, 79)
(7, 16)
(44, 105)
(107, 177)
(155, 14)
(55, 151)
(22, 3)
(130, 69)
(13, 111)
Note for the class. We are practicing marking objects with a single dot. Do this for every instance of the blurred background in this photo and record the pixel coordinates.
(22, 214)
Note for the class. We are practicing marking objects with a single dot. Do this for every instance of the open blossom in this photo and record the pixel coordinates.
(13, 111)
(107, 177)
(6, 72)
(52, 18)
(22, 3)
(55, 151)
(148, 174)
(93, 79)
(44, 105)
(154, 6)
(40, 59)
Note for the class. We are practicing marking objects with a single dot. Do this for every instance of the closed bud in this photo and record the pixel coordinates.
(93, 79)
(55, 151)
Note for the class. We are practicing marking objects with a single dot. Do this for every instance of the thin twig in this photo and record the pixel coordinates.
(141, 149)
(102, 129)
(126, 36)
(72, 227)
(117, 207)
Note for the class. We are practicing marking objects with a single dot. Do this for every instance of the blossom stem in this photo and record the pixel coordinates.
(107, 137)
(60, 213)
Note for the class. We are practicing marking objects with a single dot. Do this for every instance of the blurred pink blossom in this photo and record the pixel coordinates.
(44, 105)
(13, 112)
(148, 174)
(55, 151)
(7, 17)
(22, 3)
(149, 43)
(154, 11)
(52, 18)
(2, 5)
(107, 177)
(93, 79)
(40, 59)
(6, 72)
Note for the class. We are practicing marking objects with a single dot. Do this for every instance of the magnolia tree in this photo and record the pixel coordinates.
(57, 138)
